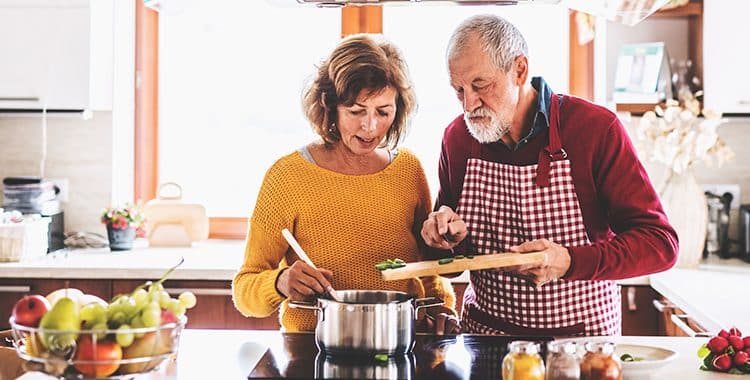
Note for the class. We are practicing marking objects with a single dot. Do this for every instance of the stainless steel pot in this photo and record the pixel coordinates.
(367, 321)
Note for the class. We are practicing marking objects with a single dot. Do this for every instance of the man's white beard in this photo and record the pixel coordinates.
(488, 132)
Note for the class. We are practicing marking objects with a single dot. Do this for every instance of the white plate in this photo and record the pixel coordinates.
(653, 358)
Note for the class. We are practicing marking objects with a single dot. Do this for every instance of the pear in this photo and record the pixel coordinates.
(58, 294)
(151, 344)
(63, 316)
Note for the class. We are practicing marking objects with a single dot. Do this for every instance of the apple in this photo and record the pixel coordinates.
(107, 353)
(28, 311)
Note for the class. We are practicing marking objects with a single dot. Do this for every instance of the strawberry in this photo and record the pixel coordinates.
(736, 342)
(735, 331)
(740, 358)
(724, 334)
(722, 362)
(717, 344)
(746, 340)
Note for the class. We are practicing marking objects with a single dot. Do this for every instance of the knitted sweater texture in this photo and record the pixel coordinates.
(345, 223)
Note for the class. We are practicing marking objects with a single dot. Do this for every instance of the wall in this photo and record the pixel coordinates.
(79, 150)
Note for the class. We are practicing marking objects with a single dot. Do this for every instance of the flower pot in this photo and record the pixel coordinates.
(685, 205)
(120, 239)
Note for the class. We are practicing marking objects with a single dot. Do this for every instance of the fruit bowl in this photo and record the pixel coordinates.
(96, 354)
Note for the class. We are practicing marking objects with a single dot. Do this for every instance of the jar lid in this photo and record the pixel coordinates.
(523, 346)
(562, 347)
(606, 348)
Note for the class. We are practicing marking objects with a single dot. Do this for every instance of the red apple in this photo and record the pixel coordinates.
(28, 311)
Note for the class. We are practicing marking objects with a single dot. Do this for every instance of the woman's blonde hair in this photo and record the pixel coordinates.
(359, 62)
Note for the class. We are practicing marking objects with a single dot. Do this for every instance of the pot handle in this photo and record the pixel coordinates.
(427, 302)
(305, 305)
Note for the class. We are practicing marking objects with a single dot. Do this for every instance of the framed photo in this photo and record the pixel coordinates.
(642, 74)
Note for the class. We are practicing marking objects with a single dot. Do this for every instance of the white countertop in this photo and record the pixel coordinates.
(209, 260)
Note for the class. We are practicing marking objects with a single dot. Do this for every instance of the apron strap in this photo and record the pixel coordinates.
(553, 151)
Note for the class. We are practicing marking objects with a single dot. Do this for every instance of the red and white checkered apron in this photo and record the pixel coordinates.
(505, 205)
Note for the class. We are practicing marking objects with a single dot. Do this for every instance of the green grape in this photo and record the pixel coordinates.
(124, 336)
(155, 287)
(176, 307)
(164, 299)
(100, 330)
(188, 300)
(137, 323)
(92, 314)
(140, 296)
(151, 317)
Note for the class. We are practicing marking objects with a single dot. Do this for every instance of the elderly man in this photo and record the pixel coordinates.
(528, 170)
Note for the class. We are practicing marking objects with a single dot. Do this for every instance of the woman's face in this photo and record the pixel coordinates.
(364, 124)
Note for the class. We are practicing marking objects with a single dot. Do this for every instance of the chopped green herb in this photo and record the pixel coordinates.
(459, 257)
(446, 260)
(382, 266)
(398, 265)
(390, 264)
(381, 357)
(630, 358)
(399, 261)
(469, 256)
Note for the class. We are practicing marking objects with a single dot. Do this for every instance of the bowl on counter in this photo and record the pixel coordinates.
(645, 360)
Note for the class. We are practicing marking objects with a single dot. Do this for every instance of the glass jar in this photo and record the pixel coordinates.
(523, 362)
(562, 361)
(600, 363)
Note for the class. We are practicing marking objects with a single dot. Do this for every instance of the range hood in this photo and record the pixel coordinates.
(629, 12)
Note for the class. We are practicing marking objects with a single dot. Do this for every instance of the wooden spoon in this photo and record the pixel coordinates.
(303, 256)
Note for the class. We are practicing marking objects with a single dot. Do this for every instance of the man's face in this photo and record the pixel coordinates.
(488, 94)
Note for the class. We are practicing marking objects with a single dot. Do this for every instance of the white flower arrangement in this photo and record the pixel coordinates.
(678, 137)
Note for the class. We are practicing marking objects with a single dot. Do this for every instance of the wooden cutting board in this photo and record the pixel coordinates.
(431, 267)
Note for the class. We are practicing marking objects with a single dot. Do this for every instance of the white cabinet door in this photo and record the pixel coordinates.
(726, 55)
(44, 55)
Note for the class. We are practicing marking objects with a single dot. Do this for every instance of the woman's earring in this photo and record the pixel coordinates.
(332, 129)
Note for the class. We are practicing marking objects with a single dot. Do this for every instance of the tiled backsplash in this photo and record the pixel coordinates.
(79, 150)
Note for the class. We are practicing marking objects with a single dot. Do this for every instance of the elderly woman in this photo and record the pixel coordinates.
(351, 199)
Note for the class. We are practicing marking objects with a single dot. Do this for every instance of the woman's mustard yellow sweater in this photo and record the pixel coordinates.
(345, 223)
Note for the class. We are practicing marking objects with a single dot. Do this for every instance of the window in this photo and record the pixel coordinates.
(231, 76)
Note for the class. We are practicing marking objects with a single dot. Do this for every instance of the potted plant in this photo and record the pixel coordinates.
(123, 225)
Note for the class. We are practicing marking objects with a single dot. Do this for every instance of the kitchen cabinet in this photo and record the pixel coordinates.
(639, 317)
(674, 321)
(727, 58)
(56, 55)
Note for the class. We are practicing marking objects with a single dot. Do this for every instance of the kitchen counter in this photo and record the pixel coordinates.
(228, 354)
(713, 294)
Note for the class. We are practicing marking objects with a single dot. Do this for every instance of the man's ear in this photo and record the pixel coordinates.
(521, 69)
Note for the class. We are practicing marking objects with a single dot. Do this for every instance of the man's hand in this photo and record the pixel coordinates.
(443, 229)
(554, 267)
(300, 281)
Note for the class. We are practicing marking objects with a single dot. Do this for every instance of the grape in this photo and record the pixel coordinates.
(124, 337)
(155, 287)
(140, 296)
(164, 299)
(151, 317)
(137, 323)
(176, 307)
(187, 299)
(93, 314)
(102, 327)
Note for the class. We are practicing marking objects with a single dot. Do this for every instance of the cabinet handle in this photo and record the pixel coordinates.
(677, 320)
(19, 99)
(14, 289)
(630, 294)
(661, 306)
(201, 291)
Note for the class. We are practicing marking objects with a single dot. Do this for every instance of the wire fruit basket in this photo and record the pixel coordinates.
(96, 354)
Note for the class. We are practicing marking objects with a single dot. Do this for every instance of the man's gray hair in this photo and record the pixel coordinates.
(499, 39)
